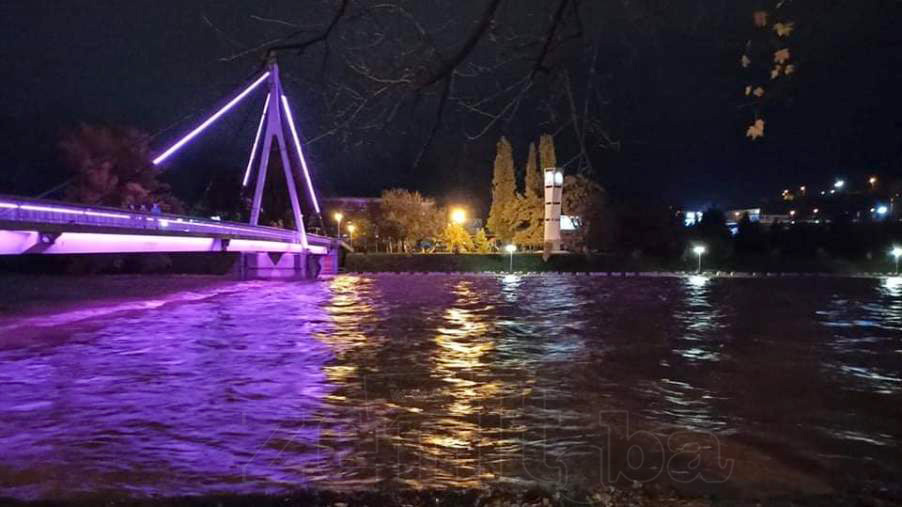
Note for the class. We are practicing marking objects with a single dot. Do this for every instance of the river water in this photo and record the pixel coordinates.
(733, 387)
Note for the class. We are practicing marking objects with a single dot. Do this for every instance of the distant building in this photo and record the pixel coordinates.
(735, 215)
(350, 204)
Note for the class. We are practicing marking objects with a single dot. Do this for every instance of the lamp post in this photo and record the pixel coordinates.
(338, 216)
(351, 229)
(511, 249)
(699, 250)
(896, 252)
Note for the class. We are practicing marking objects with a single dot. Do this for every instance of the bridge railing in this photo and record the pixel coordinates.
(23, 210)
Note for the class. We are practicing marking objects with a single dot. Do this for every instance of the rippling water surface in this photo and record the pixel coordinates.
(735, 386)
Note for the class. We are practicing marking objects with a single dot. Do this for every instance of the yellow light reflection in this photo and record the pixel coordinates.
(351, 311)
(460, 360)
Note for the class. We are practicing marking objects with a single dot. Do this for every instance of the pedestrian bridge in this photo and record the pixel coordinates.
(33, 226)
(29, 226)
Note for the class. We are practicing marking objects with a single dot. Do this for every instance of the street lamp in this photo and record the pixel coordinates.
(896, 252)
(873, 181)
(511, 249)
(351, 229)
(338, 216)
(839, 184)
(699, 250)
(458, 216)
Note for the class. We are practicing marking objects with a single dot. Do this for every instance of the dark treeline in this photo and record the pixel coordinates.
(657, 235)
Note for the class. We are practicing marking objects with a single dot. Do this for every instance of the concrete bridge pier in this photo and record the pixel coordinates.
(277, 266)
(285, 266)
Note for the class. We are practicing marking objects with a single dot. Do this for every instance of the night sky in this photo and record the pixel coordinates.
(671, 82)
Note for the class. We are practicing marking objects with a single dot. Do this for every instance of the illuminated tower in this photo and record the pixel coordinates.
(554, 187)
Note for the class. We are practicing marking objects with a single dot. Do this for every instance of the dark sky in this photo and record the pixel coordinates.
(675, 103)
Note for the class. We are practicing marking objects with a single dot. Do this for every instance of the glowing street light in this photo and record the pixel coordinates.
(511, 249)
(458, 216)
(896, 252)
(699, 250)
(839, 184)
(882, 210)
(873, 181)
(351, 229)
(338, 217)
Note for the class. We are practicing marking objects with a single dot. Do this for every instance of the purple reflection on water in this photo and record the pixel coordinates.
(456, 381)
(194, 391)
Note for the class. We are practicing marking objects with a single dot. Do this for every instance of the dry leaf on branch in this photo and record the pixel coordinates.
(781, 56)
(784, 29)
(756, 130)
(759, 92)
(760, 18)
(745, 61)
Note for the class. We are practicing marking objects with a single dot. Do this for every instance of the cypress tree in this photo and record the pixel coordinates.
(546, 151)
(504, 187)
(534, 185)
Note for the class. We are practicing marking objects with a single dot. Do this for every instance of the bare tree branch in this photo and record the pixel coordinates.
(450, 65)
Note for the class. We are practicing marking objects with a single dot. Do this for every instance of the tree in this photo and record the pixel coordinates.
(584, 201)
(481, 243)
(768, 61)
(646, 228)
(220, 196)
(457, 239)
(383, 66)
(112, 167)
(504, 188)
(364, 230)
(546, 151)
(750, 237)
(411, 217)
(528, 220)
(714, 233)
(534, 182)
(527, 211)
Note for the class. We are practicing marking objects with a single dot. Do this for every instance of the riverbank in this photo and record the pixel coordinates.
(613, 264)
(607, 497)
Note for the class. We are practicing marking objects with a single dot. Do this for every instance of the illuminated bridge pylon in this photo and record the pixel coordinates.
(275, 118)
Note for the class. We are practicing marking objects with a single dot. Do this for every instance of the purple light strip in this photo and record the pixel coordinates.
(172, 149)
(250, 162)
(18, 242)
(165, 222)
(29, 207)
(297, 144)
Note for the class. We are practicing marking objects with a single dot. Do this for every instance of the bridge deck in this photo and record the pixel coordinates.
(42, 226)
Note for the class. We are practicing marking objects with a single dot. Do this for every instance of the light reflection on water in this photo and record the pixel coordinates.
(457, 381)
